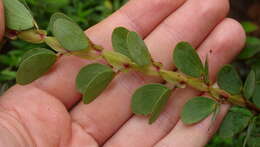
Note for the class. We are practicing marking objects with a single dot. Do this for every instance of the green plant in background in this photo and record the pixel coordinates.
(131, 54)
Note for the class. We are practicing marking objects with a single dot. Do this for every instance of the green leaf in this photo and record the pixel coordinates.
(56, 16)
(35, 63)
(119, 41)
(256, 95)
(249, 26)
(229, 80)
(197, 109)
(18, 17)
(251, 49)
(249, 87)
(93, 80)
(150, 100)
(70, 35)
(187, 60)
(235, 121)
(138, 50)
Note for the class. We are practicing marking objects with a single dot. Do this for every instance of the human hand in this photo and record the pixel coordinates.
(46, 113)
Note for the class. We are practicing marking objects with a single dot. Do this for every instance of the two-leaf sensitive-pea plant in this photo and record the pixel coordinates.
(131, 54)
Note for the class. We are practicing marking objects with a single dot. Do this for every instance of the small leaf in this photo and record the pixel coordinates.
(197, 109)
(251, 49)
(32, 36)
(256, 95)
(138, 50)
(249, 26)
(56, 16)
(93, 80)
(70, 35)
(187, 60)
(172, 77)
(117, 60)
(150, 100)
(35, 63)
(119, 41)
(249, 87)
(234, 122)
(18, 17)
(229, 80)
(54, 44)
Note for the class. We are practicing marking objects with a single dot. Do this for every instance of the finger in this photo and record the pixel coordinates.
(114, 103)
(184, 135)
(2, 23)
(60, 82)
(224, 43)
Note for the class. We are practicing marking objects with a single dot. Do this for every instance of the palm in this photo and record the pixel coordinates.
(45, 113)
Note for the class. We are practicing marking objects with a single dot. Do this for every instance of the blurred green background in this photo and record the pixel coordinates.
(89, 12)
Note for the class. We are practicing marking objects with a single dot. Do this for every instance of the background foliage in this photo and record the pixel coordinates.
(89, 12)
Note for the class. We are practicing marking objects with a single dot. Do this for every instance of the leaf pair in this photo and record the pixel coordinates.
(188, 61)
(150, 100)
(93, 79)
(34, 64)
(18, 17)
(68, 33)
(229, 80)
(131, 45)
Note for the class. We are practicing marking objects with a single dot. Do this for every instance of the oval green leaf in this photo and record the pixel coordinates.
(93, 79)
(70, 35)
(35, 63)
(234, 122)
(150, 100)
(187, 60)
(18, 17)
(229, 80)
(197, 109)
(138, 51)
(119, 41)
(249, 87)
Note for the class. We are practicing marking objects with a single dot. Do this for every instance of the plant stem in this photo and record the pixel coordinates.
(123, 63)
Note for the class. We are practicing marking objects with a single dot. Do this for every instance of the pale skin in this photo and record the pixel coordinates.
(48, 112)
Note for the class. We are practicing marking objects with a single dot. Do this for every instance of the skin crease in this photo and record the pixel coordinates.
(41, 114)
